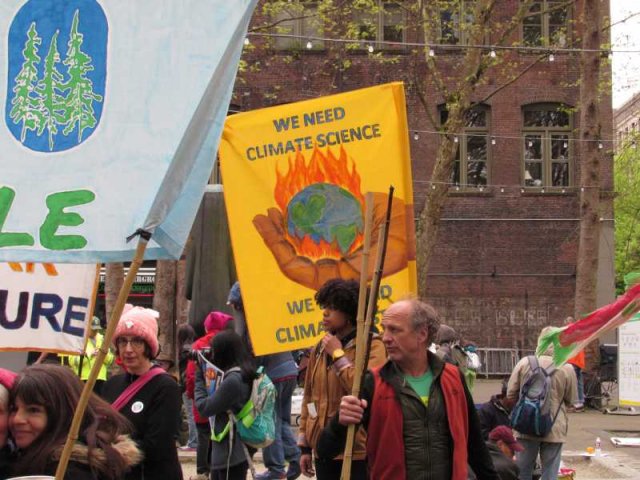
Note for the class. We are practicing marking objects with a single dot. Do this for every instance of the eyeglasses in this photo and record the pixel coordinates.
(135, 342)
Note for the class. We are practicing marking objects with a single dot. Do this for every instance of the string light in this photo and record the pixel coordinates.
(551, 57)
(432, 52)
(492, 54)
(518, 48)
(309, 45)
(370, 48)
(493, 140)
(455, 139)
(246, 41)
(600, 146)
(416, 136)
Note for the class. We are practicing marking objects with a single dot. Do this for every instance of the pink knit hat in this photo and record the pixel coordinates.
(7, 378)
(139, 322)
(216, 321)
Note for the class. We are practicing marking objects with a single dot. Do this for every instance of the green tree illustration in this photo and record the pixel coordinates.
(50, 88)
(26, 107)
(79, 101)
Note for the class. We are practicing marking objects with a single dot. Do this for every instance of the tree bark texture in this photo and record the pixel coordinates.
(589, 240)
(114, 278)
(164, 301)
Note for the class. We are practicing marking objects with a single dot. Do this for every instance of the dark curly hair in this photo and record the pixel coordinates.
(341, 295)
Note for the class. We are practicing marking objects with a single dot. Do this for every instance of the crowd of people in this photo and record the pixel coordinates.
(415, 416)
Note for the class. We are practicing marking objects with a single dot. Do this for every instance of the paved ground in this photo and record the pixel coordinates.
(617, 463)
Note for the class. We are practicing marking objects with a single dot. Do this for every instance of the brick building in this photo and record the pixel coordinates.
(505, 262)
(626, 121)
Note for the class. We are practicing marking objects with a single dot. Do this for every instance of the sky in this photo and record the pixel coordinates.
(626, 35)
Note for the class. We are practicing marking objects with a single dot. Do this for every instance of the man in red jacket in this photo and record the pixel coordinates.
(419, 414)
(213, 323)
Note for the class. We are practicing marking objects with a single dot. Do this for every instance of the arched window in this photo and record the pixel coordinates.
(547, 150)
(471, 167)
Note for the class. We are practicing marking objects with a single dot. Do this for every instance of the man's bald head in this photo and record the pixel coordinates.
(419, 313)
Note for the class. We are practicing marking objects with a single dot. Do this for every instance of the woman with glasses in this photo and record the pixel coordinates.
(146, 395)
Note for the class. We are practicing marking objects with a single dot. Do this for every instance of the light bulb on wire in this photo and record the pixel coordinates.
(309, 45)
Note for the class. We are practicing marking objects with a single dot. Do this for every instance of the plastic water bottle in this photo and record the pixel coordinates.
(598, 447)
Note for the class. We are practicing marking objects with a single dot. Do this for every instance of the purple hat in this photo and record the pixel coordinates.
(504, 433)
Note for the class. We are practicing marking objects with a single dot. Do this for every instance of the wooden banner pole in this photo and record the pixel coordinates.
(363, 342)
(72, 437)
(360, 319)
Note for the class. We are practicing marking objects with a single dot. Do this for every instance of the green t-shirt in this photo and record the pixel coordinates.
(421, 385)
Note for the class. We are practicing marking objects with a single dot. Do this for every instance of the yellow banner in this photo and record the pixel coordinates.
(294, 179)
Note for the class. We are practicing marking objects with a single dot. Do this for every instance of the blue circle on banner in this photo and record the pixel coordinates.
(57, 73)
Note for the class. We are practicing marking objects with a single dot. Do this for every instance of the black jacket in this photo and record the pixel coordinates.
(506, 468)
(153, 412)
(491, 415)
(5, 462)
(428, 442)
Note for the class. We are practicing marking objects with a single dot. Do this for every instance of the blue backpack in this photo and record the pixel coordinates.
(255, 423)
(532, 413)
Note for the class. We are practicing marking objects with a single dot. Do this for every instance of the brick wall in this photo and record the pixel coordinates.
(504, 266)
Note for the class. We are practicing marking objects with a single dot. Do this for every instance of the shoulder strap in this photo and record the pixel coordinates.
(533, 362)
(129, 392)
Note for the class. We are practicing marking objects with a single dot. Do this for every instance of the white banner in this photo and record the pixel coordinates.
(112, 117)
(629, 363)
(46, 307)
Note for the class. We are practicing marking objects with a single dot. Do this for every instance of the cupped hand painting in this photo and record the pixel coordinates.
(317, 231)
(57, 73)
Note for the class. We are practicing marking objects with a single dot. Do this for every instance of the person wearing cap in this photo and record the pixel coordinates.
(7, 378)
(214, 323)
(502, 447)
(146, 395)
(82, 364)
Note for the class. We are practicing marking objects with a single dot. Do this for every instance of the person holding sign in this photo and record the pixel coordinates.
(330, 376)
(146, 395)
(43, 400)
(418, 413)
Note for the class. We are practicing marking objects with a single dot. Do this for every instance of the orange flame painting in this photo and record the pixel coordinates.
(322, 204)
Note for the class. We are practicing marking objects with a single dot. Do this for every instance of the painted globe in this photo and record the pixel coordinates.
(323, 211)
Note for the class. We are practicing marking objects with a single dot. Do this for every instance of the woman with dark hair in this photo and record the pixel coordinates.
(228, 460)
(146, 395)
(329, 377)
(43, 401)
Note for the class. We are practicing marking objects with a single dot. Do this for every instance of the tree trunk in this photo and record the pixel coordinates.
(589, 242)
(164, 301)
(114, 278)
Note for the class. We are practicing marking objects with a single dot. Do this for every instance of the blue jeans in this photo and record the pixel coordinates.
(580, 380)
(192, 441)
(284, 447)
(550, 456)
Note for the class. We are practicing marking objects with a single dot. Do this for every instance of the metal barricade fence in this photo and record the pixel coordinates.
(497, 361)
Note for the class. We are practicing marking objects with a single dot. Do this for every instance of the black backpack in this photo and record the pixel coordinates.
(532, 413)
